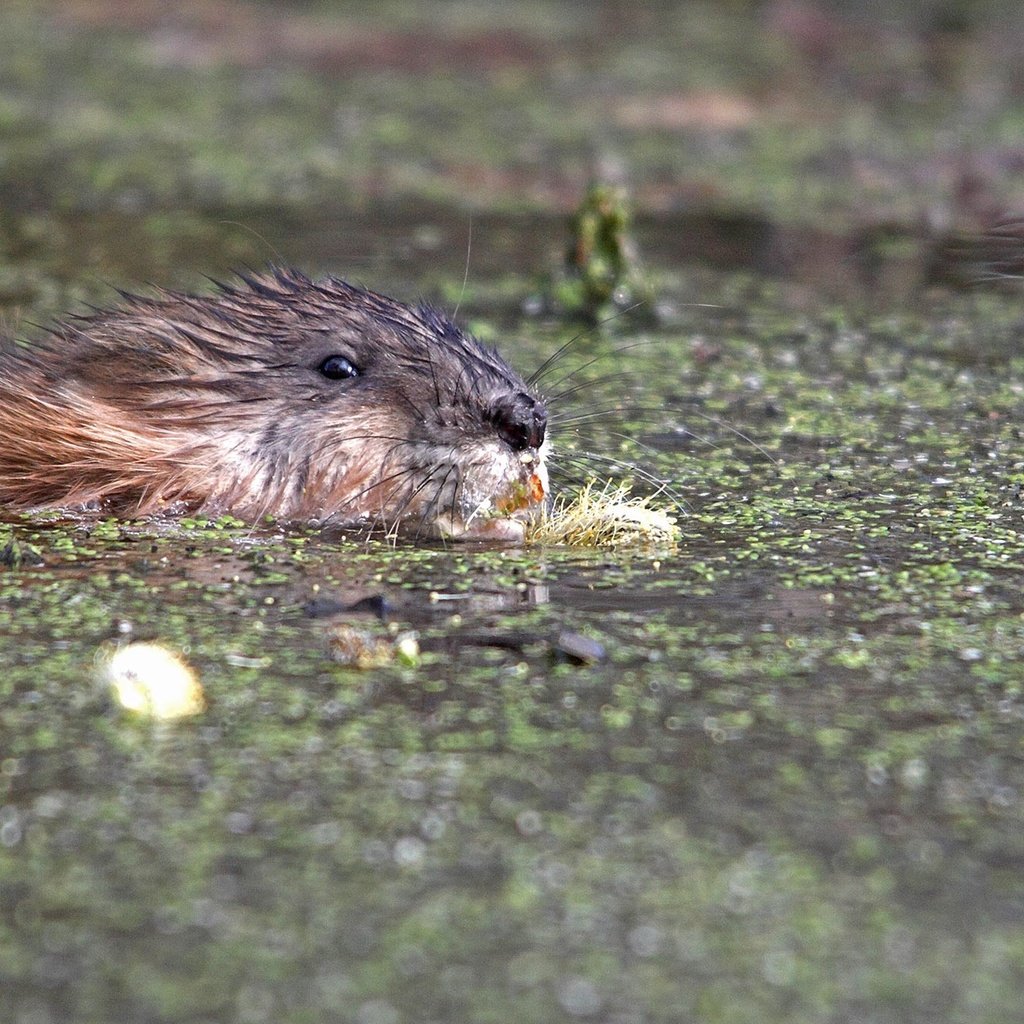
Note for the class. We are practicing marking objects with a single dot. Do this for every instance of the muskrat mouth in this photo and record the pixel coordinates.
(505, 517)
(522, 495)
(453, 499)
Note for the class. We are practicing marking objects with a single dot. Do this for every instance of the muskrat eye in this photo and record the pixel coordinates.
(337, 368)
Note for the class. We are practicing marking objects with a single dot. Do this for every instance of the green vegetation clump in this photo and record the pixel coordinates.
(601, 270)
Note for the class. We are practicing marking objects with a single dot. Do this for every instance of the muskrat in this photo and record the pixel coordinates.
(278, 395)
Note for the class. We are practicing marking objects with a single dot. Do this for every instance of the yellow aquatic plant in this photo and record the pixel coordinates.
(605, 516)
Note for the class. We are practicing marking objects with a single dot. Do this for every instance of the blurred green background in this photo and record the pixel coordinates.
(156, 122)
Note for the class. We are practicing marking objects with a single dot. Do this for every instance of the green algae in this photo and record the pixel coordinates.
(600, 272)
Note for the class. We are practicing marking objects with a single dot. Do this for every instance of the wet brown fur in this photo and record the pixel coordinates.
(216, 402)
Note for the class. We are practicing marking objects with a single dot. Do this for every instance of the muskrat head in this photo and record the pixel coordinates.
(279, 395)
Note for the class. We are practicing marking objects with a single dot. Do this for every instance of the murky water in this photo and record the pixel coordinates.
(788, 787)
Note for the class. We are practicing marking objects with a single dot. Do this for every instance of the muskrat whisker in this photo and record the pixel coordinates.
(411, 496)
(295, 478)
(263, 510)
(594, 416)
(379, 519)
(378, 481)
(144, 495)
(616, 405)
(329, 445)
(575, 389)
(537, 376)
(417, 411)
(252, 231)
(583, 462)
(620, 406)
(725, 425)
(433, 378)
(465, 273)
(428, 513)
(456, 502)
(654, 451)
(408, 495)
(463, 387)
(638, 442)
(596, 359)
(534, 379)
(574, 423)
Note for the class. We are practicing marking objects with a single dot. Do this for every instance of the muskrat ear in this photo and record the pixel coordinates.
(337, 368)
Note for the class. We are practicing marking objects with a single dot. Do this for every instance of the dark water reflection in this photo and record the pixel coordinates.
(422, 250)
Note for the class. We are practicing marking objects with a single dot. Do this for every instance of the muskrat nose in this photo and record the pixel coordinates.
(520, 420)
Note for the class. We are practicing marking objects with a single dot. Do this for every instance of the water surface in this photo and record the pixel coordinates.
(790, 789)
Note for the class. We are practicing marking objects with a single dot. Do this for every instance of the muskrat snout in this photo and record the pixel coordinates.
(278, 396)
(520, 419)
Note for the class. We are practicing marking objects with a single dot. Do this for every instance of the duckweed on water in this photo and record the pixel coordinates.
(796, 763)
